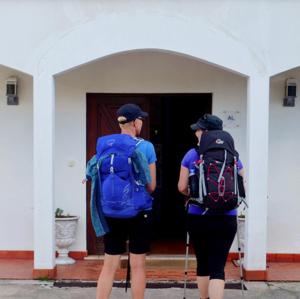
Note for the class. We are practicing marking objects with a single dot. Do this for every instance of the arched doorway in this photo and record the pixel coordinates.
(176, 89)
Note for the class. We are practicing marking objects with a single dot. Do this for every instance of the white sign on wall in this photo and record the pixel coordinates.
(231, 119)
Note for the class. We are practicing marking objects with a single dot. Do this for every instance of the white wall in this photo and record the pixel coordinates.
(242, 35)
(130, 73)
(284, 169)
(70, 194)
(134, 72)
(282, 38)
(16, 170)
(126, 73)
(53, 36)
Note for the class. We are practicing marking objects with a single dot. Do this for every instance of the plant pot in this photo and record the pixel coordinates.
(65, 231)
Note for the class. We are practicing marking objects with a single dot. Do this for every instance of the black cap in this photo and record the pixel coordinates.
(208, 122)
(130, 112)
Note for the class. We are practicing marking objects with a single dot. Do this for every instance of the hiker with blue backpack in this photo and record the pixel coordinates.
(211, 177)
(123, 175)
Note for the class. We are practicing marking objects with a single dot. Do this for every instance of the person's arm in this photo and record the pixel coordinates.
(183, 183)
(242, 173)
(151, 187)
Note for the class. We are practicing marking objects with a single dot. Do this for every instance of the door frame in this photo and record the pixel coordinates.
(92, 135)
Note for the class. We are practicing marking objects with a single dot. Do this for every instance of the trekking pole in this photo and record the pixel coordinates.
(186, 263)
(127, 273)
(127, 282)
(240, 259)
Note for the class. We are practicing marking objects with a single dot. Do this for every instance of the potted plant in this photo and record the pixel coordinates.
(65, 232)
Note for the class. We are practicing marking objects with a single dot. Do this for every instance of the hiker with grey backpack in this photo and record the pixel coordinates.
(211, 177)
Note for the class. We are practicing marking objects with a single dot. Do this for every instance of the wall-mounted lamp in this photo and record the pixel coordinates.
(290, 93)
(11, 91)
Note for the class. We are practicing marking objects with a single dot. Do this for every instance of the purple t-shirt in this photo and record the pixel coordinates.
(189, 160)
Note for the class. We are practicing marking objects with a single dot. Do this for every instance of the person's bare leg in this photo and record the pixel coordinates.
(216, 288)
(138, 275)
(203, 282)
(106, 277)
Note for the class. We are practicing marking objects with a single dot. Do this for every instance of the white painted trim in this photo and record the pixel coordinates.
(257, 172)
(43, 172)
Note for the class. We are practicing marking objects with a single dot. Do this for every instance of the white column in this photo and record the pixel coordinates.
(43, 139)
(257, 172)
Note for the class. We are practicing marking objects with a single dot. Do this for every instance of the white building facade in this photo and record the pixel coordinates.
(241, 53)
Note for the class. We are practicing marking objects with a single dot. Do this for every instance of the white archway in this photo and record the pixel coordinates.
(101, 38)
(104, 36)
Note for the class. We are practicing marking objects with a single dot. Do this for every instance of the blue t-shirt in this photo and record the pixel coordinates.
(188, 161)
(147, 148)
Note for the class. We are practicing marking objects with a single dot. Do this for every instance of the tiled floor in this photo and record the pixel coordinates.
(89, 270)
(283, 271)
(16, 269)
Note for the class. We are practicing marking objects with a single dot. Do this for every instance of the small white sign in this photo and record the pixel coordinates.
(231, 119)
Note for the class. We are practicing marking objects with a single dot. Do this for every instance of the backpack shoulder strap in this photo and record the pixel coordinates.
(139, 140)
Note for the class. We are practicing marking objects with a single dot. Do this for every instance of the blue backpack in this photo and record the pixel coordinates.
(121, 193)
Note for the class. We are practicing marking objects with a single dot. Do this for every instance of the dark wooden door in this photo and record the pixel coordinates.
(101, 120)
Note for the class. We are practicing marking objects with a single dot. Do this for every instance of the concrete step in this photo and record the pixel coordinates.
(169, 261)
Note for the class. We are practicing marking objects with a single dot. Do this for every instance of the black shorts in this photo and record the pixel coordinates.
(137, 230)
(211, 237)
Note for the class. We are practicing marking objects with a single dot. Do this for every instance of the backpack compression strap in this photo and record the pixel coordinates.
(236, 189)
(111, 168)
(223, 167)
(202, 186)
